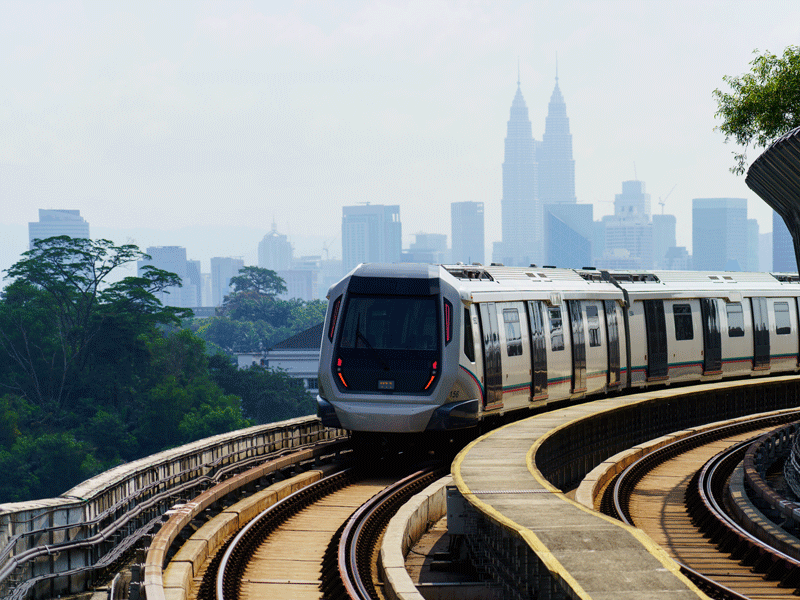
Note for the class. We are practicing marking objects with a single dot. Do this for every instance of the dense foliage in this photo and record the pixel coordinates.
(95, 373)
(253, 319)
(763, 104)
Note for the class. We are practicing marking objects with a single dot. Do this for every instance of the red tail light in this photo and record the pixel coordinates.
(448, 321)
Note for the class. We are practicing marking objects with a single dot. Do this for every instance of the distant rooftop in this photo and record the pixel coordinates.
(310, 339)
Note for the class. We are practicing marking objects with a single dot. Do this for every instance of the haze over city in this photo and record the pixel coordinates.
(201, 124)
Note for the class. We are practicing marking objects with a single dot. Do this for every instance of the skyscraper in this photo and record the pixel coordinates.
(173, 259)
(521, 213)
(223, 269)
(275, 251)
(629, 232)
(57, 222)
(554, 155)
(466, 232)
(719, 234)
(569, 230)
(370, 234)
(783, 259)
(663, 238)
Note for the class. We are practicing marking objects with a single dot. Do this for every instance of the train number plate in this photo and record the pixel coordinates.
(385, 384)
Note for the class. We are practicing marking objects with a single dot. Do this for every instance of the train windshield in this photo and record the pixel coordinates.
(390, 323)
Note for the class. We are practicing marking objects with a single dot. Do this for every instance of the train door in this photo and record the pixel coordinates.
(761, 351)
(516, 354)
(738, 346)
(538, 338)
(578, 347)
(684, 339)
(612, 343)
(712, 340)
(492, 365)
(656, 331)
(783, 345)
(596, 352)
(559, 354)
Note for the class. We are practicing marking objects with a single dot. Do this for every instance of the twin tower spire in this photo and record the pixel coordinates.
(535, 173)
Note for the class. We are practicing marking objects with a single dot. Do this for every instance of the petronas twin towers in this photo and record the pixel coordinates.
(535, 174)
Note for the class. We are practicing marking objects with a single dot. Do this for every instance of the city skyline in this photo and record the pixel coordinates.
(237, 115)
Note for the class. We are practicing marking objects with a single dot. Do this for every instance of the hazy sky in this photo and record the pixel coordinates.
(165, 115)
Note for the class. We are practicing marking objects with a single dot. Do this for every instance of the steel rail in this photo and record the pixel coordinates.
(365, 526)
(237, 554)
(625, 483)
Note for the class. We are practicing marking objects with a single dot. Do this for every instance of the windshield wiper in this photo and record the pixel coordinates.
(361, 336)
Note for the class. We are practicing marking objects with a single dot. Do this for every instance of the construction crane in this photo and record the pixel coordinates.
(664, 200)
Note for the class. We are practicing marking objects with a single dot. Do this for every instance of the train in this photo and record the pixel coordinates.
(414, 348)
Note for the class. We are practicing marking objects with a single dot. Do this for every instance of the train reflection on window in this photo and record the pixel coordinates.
(593, 321)
(513, 331)
(556, 330)
(683, 322)
(783, 325)
(735, 319)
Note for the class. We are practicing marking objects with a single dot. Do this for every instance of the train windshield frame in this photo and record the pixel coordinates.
(391, 323)
(389, 344)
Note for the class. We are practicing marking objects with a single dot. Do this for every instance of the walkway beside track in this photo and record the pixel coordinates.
(532, 539)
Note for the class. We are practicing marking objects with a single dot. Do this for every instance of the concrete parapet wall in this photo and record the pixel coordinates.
(405, 529)
(514, 479)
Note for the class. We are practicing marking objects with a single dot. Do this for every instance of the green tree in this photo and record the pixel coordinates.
(267, 395)
(763, 104)
(262, 281)
(60, 302)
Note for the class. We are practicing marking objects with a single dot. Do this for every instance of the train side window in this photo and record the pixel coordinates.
(513, 331)
(556, 330)
(735, 319)
(593, 321)
(469, 344)
(682, 314)
(783, 325)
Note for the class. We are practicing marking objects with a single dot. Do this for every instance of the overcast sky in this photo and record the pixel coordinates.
(166, 115)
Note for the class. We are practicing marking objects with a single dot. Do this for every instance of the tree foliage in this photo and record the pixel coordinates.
(95, 372)
(59, 304)
(763, 104)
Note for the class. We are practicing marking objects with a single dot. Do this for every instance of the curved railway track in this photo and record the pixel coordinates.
(318, 542)
(675, 495)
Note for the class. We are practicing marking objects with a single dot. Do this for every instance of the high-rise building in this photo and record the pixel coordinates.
(719, 234)
(664, 227)
(275, 251)
(569, 230)
(629, 232)
(752, 246)
(196, 279)
(430, 248)
(521, 214)
(783, 258)
(556, 167)
(57, 222)
(223, 269)
(173, 259)
(371, 233)
(466, 232)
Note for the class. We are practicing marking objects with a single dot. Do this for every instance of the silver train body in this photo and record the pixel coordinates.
(409, 348)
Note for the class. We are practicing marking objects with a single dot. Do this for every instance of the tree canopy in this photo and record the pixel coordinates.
(95, 371)
(763, 104)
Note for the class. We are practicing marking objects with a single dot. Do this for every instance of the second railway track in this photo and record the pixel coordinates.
(651, 495)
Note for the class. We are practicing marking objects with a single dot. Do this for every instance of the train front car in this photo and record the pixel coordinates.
(389, 355)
